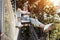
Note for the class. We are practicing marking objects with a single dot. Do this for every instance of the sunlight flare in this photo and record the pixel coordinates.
(55, 2)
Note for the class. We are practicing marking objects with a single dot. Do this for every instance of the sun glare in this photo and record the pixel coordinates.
(55, 2)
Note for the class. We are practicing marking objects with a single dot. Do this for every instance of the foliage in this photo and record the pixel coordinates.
(39, 12)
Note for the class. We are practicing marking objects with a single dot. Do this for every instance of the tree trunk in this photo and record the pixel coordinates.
(11, 20)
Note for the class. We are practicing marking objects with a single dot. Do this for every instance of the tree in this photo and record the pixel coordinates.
(11, 20)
